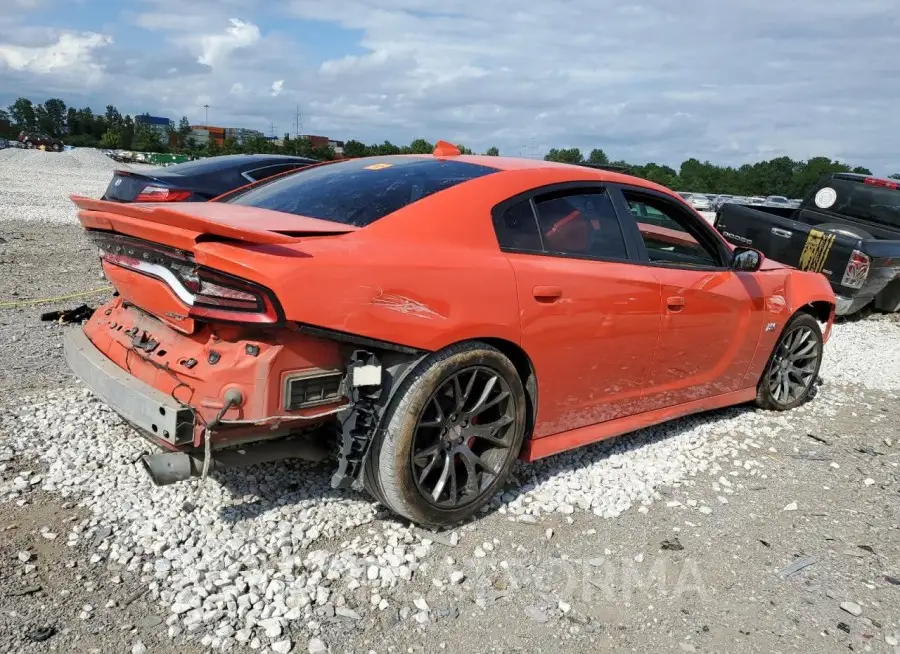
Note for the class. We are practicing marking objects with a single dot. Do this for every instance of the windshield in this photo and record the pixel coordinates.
(360, 191)
(856, 199)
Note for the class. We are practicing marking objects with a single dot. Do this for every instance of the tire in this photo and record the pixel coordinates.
(778, 399)
(56, 147)
(394, 477)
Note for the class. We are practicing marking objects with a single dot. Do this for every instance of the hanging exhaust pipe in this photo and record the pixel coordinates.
(168, 468)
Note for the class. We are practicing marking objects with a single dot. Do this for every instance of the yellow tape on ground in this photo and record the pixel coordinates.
(48, 300)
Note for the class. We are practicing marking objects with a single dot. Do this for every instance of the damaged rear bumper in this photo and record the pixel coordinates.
(139, 403)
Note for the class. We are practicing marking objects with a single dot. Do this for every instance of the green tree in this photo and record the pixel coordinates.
(565, 155)
(111, 139)
(126, 135)
(22, 113)
(113, 117)
(387, 148)
(354, 149)
(894, 176)
(492, 151)
(73, 127)
(420, 146)
(184, 131)
(463, 149)
(55, 110)
(598, 156)
(146, 139)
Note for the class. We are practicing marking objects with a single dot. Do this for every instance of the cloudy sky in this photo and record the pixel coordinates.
(731, 81)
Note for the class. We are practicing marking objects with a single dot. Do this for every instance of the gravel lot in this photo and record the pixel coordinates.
(678, 538)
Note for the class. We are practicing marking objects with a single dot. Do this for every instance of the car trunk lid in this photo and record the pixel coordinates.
(149, 253)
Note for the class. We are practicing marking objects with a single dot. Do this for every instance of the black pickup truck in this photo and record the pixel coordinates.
(847, 228)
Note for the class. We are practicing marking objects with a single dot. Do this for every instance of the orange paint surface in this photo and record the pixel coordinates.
(615, 346)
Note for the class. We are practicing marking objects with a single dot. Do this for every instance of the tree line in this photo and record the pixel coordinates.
(111, 129)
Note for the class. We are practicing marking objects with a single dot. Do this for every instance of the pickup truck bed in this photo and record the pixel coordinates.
(854, 243)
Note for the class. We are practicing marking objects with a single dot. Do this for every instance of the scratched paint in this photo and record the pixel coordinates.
(404, 305)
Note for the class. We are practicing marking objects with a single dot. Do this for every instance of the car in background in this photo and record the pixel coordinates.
(32, 140)
(699, 202)
(777, 201)
(847, 228)
(719, 200)
(201, 180)
(423, 307)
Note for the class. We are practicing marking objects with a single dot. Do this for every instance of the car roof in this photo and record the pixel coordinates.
(859, 177)
(578, 173)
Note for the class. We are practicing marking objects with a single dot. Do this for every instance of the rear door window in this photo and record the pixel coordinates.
(859, 199)
(580, 224)
(360, 191)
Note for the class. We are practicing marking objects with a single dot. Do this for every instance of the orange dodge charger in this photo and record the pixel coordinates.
(435, 317)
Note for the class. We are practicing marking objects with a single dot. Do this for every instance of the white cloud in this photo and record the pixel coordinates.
(277, 87)
(68, 51)
(217, 47)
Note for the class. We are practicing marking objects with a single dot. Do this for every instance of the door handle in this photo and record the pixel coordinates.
(546, 293)
(675, 303)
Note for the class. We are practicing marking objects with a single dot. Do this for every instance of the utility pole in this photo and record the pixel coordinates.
(206, 106)
(298, 123)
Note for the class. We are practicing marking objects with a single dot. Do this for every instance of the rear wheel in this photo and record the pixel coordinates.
(793, 368)
(453, 433)
(56, 147)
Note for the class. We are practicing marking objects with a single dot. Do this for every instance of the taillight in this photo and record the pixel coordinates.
(857, 270)
(208, 294)
(874, 181)
(153, 193)
(227, 298)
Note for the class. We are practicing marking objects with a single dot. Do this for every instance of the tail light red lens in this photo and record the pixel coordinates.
(857, 270)
(225, 298)
(152, 193)
(208, 294)
(874, 181)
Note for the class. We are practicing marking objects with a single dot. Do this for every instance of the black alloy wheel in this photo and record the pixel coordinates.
(790, 378)
(452, 433)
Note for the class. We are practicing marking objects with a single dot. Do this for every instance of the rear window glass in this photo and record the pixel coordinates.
(360, 191)
(856, 199)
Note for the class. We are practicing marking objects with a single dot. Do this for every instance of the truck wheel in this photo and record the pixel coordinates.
(888, 300)
(793, 367)
(453, 432)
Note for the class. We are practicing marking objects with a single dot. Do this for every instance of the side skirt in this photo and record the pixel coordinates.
(568, 440)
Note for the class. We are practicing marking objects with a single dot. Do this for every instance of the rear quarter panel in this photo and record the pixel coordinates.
(426, 276)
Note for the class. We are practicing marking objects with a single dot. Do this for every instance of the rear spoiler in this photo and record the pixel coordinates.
(282, 228)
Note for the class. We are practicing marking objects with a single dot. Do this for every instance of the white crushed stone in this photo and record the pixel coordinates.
(249, 559)
(35, 185)
(865, 352)
(267, 546)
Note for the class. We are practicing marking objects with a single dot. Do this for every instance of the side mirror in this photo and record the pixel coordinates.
(746, 259)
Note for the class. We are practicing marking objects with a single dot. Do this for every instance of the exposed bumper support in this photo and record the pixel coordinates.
(170, 467)
(139, 403)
